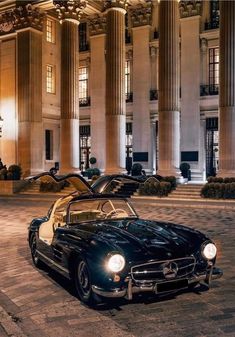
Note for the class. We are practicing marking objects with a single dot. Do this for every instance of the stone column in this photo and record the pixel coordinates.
(169, 123)
(28, 24)
(97, 27)
(115, 86)
(142, 145)
(227, 90)
(69, 13)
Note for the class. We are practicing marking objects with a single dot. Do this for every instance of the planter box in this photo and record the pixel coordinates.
(8, 187)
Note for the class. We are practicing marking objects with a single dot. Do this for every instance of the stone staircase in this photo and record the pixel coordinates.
(126, 189)
(33, 188)
(186, 191)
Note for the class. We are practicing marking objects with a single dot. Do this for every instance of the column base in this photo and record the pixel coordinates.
(116, 170)
(226, 173)
(172, 172)
(65, 171)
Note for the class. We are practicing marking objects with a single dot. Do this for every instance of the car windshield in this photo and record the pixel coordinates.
(99, 209)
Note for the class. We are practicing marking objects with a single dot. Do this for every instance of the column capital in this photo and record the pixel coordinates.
(116, 4)
(70, 10)
(141, 15)
(204, 45)
(97, 25)
(21, 17)
(129, 54)
(190, 8)
(153, 52)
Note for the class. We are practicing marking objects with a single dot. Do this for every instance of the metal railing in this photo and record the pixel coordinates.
(209, 89)
(84, 101)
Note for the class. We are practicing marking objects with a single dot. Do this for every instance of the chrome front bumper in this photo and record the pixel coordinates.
(212, 274)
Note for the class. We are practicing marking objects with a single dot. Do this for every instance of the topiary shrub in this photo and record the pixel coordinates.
(51, 186)
(14, 172)
(136, 169)
(3, 174)
(185, 170)
(219, 190)
(90, 172)
(92, 160)
(153, 187)
(171, 180)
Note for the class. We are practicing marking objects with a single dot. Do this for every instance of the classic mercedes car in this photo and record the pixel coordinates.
(99, 242)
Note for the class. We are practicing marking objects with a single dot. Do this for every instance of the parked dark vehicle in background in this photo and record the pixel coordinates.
(99, 242)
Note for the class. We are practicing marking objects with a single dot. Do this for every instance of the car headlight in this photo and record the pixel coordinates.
(116, 263)
(209, 251)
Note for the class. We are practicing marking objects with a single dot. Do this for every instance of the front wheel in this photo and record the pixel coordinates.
(33, 247)
(82, 280)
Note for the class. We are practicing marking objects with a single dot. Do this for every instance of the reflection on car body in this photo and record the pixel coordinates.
(99, 242)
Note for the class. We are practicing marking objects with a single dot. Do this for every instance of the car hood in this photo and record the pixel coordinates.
(143, 239)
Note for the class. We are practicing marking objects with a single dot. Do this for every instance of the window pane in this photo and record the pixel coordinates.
(50, 31)
(50, 85)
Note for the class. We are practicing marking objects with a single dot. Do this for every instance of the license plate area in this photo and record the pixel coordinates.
(170, 286)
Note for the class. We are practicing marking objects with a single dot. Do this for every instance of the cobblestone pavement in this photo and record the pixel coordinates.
(38, 304)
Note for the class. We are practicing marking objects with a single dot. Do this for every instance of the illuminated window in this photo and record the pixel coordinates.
(50, 79)
(128, 81)
(214, 70)
(50, 31)
(49, 144)
(85, 146)
(83, 86)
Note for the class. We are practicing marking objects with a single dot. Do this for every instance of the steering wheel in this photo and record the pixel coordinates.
(118, 212)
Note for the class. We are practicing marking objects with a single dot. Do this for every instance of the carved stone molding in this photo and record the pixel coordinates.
(6, 22)
(190, 8)
(115, 3)
(153, 52)
(129, 54)
(97, 25)
(141, 16)
(70, 10)
(28, 16)
(204, 45)
(21, 17)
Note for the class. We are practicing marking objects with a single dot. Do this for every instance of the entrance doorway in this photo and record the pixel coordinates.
(212, 146)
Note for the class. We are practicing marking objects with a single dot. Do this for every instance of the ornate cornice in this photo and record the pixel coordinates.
(190, 8)
(28, 16)
(97, 25)
(123, 4)
(21, 17)
(70, 10)
(141, 16)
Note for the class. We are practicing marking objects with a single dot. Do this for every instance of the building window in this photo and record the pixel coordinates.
(50, 79)
(212, 146)
(85, 146)
(129, 152)
(214, 14)
(213, 70)
(129, 96)
(83, 87)
(50, 31)
(83, 45)
(49, 144)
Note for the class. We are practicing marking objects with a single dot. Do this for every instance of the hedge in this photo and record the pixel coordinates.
(153, 186)
(219, 190)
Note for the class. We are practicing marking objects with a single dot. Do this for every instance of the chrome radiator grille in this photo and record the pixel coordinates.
(163, 270)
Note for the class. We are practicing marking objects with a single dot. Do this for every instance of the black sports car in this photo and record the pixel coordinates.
(98, 241)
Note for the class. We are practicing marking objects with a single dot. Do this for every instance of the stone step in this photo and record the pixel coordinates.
(187, 187)
(183, 197)
(186, 192)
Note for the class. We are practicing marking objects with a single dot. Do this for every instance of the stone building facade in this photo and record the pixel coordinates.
(122, 81)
